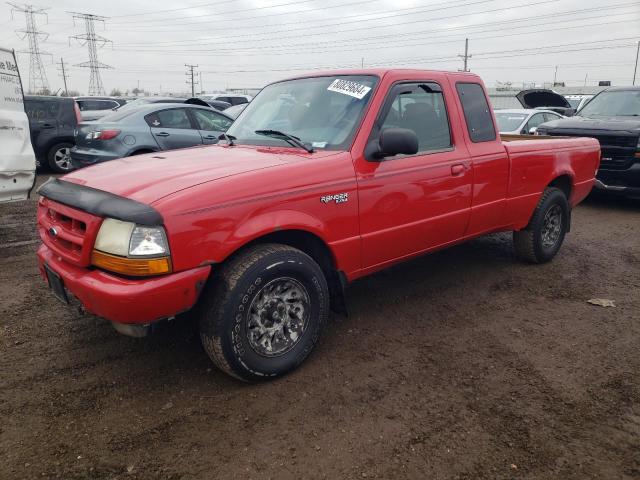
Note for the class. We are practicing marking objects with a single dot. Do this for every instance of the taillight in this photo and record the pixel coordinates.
(103, 134)
(76, 109)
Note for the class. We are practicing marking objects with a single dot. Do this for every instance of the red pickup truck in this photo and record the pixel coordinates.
(321, 180)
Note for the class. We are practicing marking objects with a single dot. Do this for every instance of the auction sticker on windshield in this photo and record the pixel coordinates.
(347, 87)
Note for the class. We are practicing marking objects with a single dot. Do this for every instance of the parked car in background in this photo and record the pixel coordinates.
(578, 101)
(523, 121)
(146, 129)
(93, 108)
(52, 121)
(542, 98)
(612, 117)
(235, 110)
(232, 98)
(17, 160)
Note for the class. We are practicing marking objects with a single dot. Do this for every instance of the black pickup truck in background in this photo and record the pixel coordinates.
(613, 117)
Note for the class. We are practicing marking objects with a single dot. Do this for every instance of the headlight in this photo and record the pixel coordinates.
(130, 249)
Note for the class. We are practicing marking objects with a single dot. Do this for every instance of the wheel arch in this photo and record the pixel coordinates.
(313, 245)
(564, 182)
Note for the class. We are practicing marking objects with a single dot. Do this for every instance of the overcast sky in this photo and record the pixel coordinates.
(248, 43)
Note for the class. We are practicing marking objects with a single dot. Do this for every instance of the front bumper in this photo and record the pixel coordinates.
(626, 182)
(136, 302)
(83, 157)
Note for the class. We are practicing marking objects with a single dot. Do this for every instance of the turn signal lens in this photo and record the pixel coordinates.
(136, 267)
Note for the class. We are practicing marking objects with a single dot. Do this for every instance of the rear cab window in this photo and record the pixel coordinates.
(476, 112)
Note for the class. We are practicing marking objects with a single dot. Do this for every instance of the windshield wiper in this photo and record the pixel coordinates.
(289, 138)
(228, 138)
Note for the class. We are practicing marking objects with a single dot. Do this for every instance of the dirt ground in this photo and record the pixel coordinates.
(464, 364)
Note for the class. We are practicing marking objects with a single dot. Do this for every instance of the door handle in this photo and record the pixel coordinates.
(162, 134)
(457, 169)
(47, 125)
(210, 137)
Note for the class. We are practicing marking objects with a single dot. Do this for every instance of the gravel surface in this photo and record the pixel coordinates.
(464, 364)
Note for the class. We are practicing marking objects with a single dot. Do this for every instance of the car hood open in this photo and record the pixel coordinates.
(148, 178)
(541, 97)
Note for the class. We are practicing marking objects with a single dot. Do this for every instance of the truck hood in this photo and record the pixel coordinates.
(606, 124)
(540, 97)
(148, 178)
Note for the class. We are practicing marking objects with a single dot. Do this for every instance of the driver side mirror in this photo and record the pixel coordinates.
(393, 141)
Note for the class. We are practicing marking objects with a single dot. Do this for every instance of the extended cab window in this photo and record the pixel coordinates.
(173, 118)
(420, 107)
(211, 121)
(476, 112)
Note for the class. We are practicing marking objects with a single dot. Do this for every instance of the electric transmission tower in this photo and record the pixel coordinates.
(38, 82)
(93, 42)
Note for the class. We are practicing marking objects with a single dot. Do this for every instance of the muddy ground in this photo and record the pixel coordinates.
(464, 364)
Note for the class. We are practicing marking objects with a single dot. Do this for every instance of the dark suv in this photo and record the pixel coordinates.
(52, 121)
(613, 117)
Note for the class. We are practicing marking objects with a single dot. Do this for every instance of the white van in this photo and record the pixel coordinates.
(17, 160)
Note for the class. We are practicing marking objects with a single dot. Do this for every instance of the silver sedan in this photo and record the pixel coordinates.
(523, 121)
(146, 129)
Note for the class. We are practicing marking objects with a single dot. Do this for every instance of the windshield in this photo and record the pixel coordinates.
(322, 112)
(612, 104)
(574, 102)
(508, 122)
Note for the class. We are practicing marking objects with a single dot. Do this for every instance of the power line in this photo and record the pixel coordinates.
(252, 9)
(542, 50)
(38, 82)
(93, 42)
(388, 43)
(218, 41)
(174, 9)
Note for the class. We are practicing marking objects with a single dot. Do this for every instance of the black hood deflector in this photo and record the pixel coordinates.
(100, 203)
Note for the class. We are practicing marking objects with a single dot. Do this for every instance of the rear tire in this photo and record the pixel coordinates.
(59, 157)
(540, 241)
(263, 312)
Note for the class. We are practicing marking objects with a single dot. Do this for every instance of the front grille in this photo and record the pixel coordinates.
(617, 151)
(68, 232)
(616, 141)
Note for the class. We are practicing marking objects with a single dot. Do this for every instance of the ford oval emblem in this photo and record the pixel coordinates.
(53, 232)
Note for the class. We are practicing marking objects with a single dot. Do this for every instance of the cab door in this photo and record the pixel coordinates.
(413, 203)
(172, 128)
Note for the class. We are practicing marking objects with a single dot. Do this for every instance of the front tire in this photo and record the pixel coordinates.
(263, 313)
(540, 241)
(59, 157)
